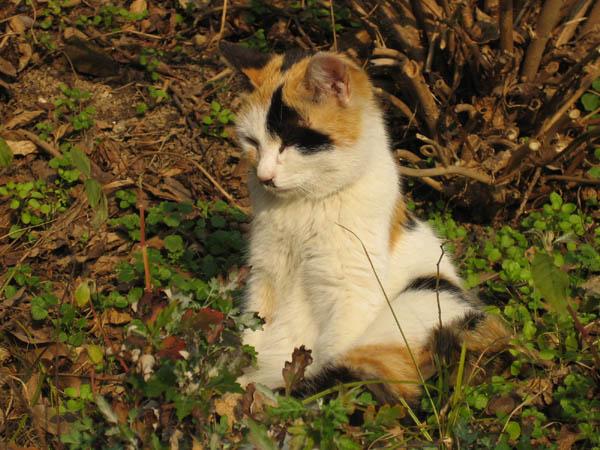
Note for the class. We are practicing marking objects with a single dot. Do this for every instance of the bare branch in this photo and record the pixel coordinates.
(548, 19)
(506, 26)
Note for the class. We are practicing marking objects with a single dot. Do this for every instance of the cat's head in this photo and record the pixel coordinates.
(303, 124)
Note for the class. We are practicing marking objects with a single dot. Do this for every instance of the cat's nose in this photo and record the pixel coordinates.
(268, 182)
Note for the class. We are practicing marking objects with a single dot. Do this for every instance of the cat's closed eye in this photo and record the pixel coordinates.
(252, 142)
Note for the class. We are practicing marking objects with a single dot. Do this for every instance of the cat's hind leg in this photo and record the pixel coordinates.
(401, 361)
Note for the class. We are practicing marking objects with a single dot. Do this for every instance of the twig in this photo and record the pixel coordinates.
(51, 150)
(413, 76)
(584, 335)
(532, 184)
(577, 16)
(223, 20)
(593, 72)
(214, 182)
(400, 18)
(547, 20)
(450, 170)
(143, 246)
(437, 284)
(403, 107)
(506, 26)
(593, 20)
(331, 12)
(571, 179)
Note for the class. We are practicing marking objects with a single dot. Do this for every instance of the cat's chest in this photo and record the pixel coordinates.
(295, 238)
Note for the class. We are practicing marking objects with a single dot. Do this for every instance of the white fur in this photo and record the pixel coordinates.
(310, 278)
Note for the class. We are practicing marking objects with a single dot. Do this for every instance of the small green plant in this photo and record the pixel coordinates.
(73, 106)
(157, 95)
(34, 203)
(149, 60)
(215, 121)
(141, 108)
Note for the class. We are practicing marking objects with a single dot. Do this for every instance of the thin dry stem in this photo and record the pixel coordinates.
(506, 26)
(450, 170)
(593, 21)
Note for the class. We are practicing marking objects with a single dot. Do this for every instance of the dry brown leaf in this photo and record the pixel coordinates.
(73, 32)
(60, 131)
(500, 404)
(566, 439)
(171, 172)
(293, 372)
(115, 317)
(22, 119)
(33, 336)
(22, 148)
(31, 387)
(46, 418)
(226, 406)
(7, 68)
(18, 24)
(26, 53)
(196, 445)
(138, 6)
(4, 355)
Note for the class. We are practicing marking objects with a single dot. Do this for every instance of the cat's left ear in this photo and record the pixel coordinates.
(248, 61)
(329, 74)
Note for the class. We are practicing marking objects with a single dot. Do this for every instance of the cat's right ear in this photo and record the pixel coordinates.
(248, 61)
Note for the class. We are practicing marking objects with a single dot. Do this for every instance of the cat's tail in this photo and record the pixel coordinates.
(382, 353)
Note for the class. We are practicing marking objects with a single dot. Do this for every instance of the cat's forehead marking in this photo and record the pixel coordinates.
(287, 123)
(290, 106)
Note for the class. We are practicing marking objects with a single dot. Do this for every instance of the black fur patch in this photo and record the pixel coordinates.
(430, 282)
(332, 376)
(446, 344)
(411, 222)
(286, 123)
(471, 320)
(292, 57)
(242, 57)
(327, 378)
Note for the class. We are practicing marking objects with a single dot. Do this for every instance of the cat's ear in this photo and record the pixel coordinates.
(329, 74)
(248, 61)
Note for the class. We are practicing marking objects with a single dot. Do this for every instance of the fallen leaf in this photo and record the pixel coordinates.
(171, 348)
(226, 406)
(115, 317)
(566, 439)
(89, 59)
(146, 366)
(293, 372)
(138, 6)
(19, 24)
(60, 131)
(22, 119)
(22, 148)
(71, 32)
(7, 68)
(209, 320)
(95, 353)
(26, 52)
(34, 335)
(31, 388)
(500, 404)
(4, 355)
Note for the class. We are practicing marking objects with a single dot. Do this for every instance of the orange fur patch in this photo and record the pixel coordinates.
(341, 123)
(398, 221)
(490, 336)
(391, 362)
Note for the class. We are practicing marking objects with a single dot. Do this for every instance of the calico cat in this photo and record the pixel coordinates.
(323, 185)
